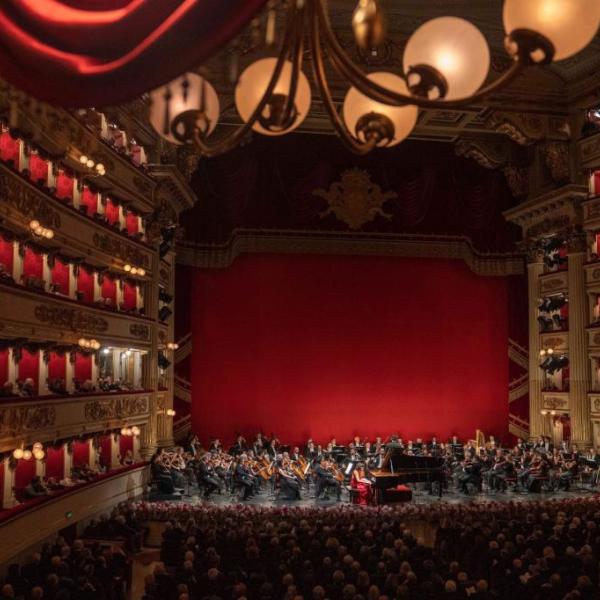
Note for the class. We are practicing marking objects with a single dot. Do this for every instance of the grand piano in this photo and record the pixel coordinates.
(398, 468)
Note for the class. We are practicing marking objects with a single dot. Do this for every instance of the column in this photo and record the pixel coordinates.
(40, 467)
(17, 263)
(115, 450)
(92, 454)
(47, 272)
(119, 293)
(43, 376)
(538, 425)
(136, 448)
(12, 367)
(580, 385)
(95, 367)
(23, 157)
(69, 374)
(121, 217)
(68, 460)
(97, 287)
(72, 282)
(52, 174)
(8, 483)
(76, 192)
(139, 299)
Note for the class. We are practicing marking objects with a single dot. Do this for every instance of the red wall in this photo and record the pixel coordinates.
(38, 168)
(57, 366)
(89, 199)
(24, 473)
(336, 346)
(109, 289)
(60, 276)
(4, 358)
(64, 186)
(83, 366)
(85, 284)
(6, 254)
(81, 453)
(29, 366)
(129, 296)
(111, 211)
(33, 264)
(55, 462)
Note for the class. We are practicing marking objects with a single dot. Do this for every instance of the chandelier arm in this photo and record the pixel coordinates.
(228, 143)
(321, 80)
(346, 67)
(297, 50)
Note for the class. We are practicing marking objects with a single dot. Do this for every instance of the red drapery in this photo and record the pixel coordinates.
(64, 186)
(81, 453)
(33, 264)
(57, 366)
(3, 366)
(132, 222)
(29, 367)
(125, 443)
(106, 51)
(111, 212)
(89, 199)
(109, 289)
(129, 296)
(9, 148)
(6, 254)
(83, 366)
(24, 473)
(85, 285)
(55, 462)
(38, 168)
(60, 276)
(106, 450)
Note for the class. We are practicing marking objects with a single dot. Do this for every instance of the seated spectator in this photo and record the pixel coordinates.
(127, 460)
(7, 390)
(27, 388)
(57, 386)
(35, 488)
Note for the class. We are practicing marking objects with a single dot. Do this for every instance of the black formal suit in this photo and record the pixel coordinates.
(326, 481)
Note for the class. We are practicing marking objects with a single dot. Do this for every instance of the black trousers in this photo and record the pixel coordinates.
(324, 484)
(290, 488)
(211, 484)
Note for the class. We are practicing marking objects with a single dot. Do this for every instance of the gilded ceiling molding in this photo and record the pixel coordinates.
(490, 154)
(249, 241)
(72, 319)
(116, 408)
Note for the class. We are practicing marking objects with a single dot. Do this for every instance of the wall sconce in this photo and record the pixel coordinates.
(89, 344)
(130, 431)
(172, 346)
(134, 270)
(98, 168)
(40, 231)
(170, 412)
(21, 453)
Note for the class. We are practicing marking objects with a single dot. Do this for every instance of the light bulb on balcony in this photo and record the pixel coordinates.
(83, 159)
(544, 413)
(38, 454)
(100, 169)
(141, 272)
(542, 353)
(569, 25)
(127, 268)
(189, 101)
(49, 234)
(133, 271)
(106, 351)
(18, 453)
(252, 85)
(27, 454)
(550, 351)
(90, 164)
(135, 430)
(34, 224)
(82, 342)
(451, 48)
(124, 431)
(38, 446)
(367, 119)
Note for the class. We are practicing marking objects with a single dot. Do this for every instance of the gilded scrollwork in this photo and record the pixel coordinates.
(116, 408)
(121, 249)
(22, 419)
(140, 331)
(73, 319)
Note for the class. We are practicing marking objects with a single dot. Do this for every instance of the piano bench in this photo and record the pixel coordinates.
(352, 494)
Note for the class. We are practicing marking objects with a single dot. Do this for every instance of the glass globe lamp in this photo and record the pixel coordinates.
(252, 85)
(569, 25)
(450, 48)
(366, 118)
(180, 96)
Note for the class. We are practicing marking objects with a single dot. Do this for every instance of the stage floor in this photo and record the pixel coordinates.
(266, 499)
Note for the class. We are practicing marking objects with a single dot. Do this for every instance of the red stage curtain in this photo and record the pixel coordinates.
(105, 52)
(83, 366)
(129, 295)
(55, 462)
(125, 443)
(38, 168)
(109, 289)
(60, 276)
(29, 366)
(340, 346)
(89, 199)
(24, 473)
(111, 212)
(85, 284)
(33, 264)
(10, 148)
(64, 186)
(6, 255)
(57, 366)
(131, 222)
(81, 453)
(3, 366)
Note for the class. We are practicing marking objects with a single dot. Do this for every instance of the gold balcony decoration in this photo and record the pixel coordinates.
(445, 64)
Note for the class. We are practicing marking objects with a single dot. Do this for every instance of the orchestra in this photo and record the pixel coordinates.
(265, 464)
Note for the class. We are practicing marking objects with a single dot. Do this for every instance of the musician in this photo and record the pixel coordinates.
(568, 472)
(326, 480)
(259, 444)
(207, 476)
(363, 486)
(160, 473)
(368, 450)
(378, 444)
(215, 446)
(244, 477)
(289, 484)
(377, 461)
(418, 447)
(434, 446)
(496, 472)
(543, 444)
(471, 473)
(239, 447)
(272, 449)
(295, 456)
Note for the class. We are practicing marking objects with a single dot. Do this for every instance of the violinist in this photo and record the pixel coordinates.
(239, 447)
(244, 477)
(568, 472)
(288, 481)
(215, 446)
(295, 456)
(326, 480)
(259, 444)
(363, 485)
(207, 475)
(272, 449)
(310, 452)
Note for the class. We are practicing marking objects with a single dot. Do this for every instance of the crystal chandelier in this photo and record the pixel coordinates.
(445, 63)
